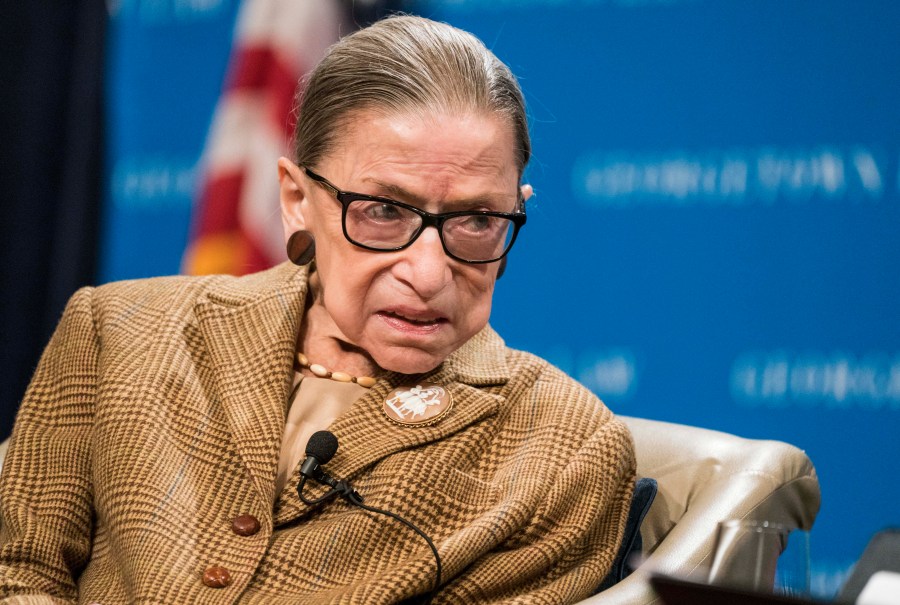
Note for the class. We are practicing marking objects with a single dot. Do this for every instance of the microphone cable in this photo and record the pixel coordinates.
(320, 449)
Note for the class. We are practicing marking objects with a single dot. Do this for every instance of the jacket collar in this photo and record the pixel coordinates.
(250, 325)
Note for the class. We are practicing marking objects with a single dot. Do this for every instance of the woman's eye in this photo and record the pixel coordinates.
(478, 223)
(383, 212)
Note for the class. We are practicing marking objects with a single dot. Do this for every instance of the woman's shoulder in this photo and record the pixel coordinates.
(169, 294)
(553, 398)
(533, 372)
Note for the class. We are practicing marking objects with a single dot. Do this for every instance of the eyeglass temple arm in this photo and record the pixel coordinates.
(320, 179)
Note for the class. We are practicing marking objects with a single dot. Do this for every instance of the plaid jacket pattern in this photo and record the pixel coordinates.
(155, 418)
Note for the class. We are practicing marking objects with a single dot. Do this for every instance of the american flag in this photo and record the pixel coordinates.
(237, 222)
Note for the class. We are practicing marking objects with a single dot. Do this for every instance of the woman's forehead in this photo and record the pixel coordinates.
(402, 153)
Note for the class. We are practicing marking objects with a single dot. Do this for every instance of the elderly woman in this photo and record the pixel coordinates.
(157, 453)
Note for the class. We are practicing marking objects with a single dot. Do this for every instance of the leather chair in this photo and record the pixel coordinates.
(705, 477)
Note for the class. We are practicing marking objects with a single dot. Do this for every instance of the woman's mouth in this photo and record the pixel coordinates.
(413, 322)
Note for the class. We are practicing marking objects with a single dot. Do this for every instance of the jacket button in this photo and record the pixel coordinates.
(216, 577)
(245, 525)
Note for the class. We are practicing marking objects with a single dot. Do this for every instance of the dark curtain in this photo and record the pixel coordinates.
(51, 108)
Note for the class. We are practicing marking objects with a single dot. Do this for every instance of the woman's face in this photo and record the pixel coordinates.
(411, 308)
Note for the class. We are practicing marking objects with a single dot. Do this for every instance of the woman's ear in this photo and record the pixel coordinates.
(292, 193)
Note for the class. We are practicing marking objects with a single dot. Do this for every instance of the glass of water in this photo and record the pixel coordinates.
(761, 556)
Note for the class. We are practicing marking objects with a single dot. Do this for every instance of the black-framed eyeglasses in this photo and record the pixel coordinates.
(386, 225)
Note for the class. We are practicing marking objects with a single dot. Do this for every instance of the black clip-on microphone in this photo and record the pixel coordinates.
(320, 449)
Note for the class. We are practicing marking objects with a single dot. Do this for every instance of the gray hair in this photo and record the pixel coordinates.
(402, 64)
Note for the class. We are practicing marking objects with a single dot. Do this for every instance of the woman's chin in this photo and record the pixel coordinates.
(408, 360)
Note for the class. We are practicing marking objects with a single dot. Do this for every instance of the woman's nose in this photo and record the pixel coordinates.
(425, 266)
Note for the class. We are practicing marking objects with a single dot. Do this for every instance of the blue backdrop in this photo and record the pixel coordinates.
(713, 239)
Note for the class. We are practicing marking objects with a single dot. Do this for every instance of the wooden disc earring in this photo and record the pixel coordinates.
(301, 247)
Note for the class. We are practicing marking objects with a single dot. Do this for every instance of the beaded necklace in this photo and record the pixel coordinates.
(302, 361)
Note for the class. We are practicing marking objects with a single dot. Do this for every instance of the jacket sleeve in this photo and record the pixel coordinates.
(570, 545)
(45, 486)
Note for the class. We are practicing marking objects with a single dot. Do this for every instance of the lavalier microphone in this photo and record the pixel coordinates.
(320, 449)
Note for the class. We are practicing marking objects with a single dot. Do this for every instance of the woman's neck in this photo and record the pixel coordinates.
(323, 343)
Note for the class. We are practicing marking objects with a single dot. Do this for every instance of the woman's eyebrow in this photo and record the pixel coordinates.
(395, 191)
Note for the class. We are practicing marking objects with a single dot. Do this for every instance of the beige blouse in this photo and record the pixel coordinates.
(315, 404)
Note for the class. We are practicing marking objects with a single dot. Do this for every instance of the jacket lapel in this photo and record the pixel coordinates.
(366, 436)
(250, 327)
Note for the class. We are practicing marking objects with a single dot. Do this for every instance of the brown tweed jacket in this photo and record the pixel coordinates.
(155, 418)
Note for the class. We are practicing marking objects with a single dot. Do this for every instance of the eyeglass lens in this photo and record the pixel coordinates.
(384, 226)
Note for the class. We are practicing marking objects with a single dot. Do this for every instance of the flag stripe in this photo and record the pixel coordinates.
(237, 225)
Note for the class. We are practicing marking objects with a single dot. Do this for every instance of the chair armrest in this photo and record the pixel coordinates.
(706, 477)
